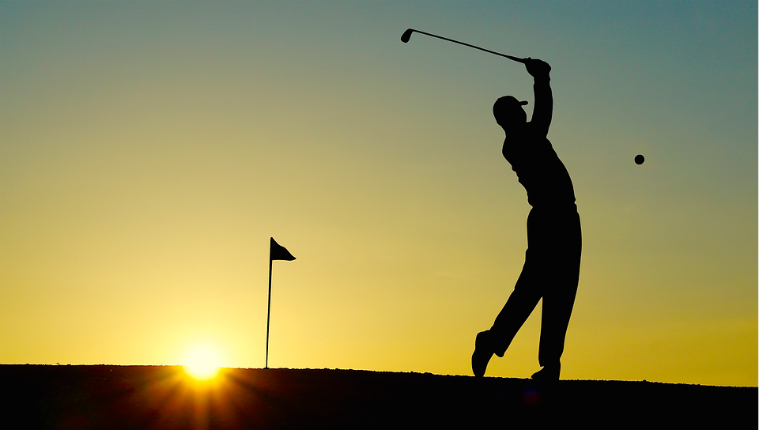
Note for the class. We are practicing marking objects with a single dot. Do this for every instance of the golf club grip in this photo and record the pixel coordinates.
(519, 60)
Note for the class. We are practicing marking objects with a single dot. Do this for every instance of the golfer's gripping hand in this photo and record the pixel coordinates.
(537, 68)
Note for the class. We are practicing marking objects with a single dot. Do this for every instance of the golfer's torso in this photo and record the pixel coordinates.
(539, 170)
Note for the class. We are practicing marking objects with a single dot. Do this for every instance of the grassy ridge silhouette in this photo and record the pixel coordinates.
(163, 397)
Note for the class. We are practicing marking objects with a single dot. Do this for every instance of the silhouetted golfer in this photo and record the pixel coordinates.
(552, 261)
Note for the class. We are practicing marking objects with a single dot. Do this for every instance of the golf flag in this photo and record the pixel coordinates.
(277, 252)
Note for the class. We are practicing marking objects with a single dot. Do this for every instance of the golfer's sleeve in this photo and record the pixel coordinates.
(542, 110)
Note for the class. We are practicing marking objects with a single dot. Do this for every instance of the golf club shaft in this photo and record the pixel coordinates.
(519, 60)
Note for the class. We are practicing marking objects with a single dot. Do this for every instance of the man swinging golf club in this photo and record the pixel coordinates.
(552, 261)
(553, 258)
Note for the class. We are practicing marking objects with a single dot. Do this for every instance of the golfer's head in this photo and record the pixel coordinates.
(508, 111)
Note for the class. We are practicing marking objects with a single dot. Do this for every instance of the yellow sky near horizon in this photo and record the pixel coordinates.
(148, 150)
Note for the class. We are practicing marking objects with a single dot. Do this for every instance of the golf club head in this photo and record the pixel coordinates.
(407, 34)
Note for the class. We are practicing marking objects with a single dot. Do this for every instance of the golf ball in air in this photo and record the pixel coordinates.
(639, 159)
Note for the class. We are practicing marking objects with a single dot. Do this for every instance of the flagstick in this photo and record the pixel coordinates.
(269, 307)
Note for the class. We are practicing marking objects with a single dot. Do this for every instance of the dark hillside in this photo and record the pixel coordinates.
(162, 397)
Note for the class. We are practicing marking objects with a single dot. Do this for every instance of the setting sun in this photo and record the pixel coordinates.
(202, 364)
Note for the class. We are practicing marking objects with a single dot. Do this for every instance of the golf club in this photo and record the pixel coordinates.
(408, 33)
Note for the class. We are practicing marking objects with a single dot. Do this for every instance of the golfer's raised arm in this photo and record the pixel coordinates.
(542, 109)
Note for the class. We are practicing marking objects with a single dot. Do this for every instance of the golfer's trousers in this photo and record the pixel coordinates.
(551, 270)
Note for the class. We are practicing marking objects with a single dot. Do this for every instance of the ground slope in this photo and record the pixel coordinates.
(163, 397)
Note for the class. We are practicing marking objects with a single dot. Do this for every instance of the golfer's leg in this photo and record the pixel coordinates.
(557, 308)
(564, 261)
(518, 308)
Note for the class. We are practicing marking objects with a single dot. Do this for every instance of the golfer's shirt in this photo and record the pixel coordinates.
(538, 169)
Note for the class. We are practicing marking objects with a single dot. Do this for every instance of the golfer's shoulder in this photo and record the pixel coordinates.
(536, 136)
(535, 130)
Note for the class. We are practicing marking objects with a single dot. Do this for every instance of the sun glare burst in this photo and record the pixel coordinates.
(202, 364)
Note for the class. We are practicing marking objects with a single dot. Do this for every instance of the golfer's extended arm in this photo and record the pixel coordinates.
(542, 109)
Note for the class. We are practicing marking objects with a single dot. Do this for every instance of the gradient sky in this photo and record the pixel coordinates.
(148, 150)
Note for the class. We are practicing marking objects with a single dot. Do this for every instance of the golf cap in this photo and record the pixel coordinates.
(507, 105)
(511, 101)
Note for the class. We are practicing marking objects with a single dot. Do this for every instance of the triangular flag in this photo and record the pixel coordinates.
(277, 252)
